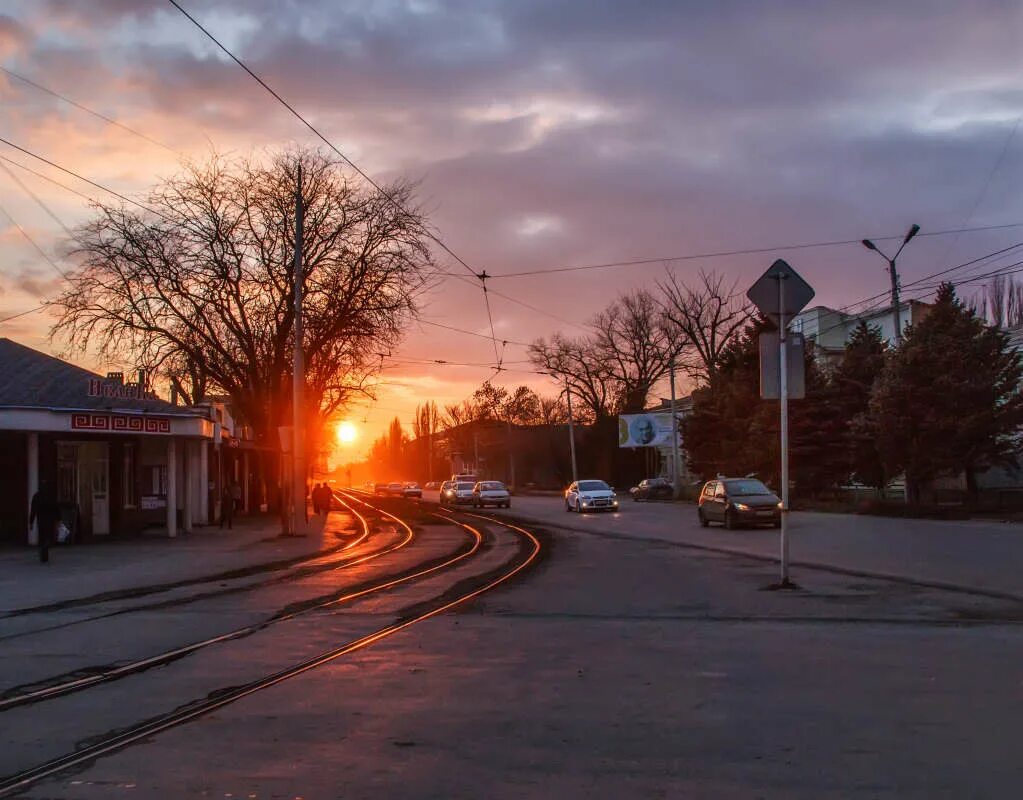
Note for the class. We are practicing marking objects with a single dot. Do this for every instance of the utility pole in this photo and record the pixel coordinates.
(571, 431)
(894, 277)
(298, 483)
(676, 461)
(784, 397)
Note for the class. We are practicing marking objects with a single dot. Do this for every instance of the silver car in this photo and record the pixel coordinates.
(491, 493)
(590, 495)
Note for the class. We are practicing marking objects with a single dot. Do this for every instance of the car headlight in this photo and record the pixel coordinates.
(780, 505)
(741, 507)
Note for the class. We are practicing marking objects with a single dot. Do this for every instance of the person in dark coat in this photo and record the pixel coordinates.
(227, 507)
(45, 509)
(317, 497)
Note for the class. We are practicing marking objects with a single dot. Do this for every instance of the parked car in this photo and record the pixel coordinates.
(590, 495)
(491, 493)
(738, 501)
(652, 489)
(379, 488)
(395, 489)
(447, 493)
(411, 489)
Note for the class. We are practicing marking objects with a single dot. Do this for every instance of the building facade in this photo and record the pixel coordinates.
(118, 459)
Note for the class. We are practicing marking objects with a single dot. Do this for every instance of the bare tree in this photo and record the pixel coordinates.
(707, 317)
(613, 369)
(201, 289)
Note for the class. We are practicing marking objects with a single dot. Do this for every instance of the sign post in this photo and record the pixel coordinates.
(781, 293)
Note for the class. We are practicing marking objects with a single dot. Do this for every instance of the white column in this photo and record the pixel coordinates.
(33, 482)
(204, 482)
(245, 482)
(172, 487)
(188, 464)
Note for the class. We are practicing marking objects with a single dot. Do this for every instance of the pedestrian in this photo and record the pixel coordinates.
(45, 509)
(227, 508)
(236, 496)
(326, 496)
(315, 495)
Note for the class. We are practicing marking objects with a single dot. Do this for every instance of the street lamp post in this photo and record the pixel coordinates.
(894, 276)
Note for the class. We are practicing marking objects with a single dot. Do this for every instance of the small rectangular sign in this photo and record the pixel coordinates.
(770, 366)
(644, 430)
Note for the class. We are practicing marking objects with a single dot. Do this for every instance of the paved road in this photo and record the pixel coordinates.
(618, 669)
(976, 554)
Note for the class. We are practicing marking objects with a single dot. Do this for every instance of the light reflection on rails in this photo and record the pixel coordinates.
(26, 778)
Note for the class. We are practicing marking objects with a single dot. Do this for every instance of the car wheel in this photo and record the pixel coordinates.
(578, 507)
(730, 521)
(568, 507)
(704, 522)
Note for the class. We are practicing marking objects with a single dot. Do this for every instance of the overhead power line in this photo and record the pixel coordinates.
(86, 109)
(23, 313)
(741, 252)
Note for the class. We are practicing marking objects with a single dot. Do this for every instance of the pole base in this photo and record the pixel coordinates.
(783, 586)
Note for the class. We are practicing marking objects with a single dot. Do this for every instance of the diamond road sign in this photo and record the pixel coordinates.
(795, 293)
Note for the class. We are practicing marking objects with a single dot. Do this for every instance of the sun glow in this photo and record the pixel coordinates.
(347, 432)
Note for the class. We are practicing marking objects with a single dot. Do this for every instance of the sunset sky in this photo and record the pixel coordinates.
(544, 133)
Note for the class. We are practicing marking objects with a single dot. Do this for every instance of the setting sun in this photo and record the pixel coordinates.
(347, 432)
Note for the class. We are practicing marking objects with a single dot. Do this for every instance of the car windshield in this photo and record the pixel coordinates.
(465, 487)
(411, 485)
(593, 486)
(490, 486)
(746, 487)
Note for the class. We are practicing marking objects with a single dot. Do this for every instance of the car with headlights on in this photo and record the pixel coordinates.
(590, 495)
(411, 489)
(491, 493)
(738, 501)
(447, 493)
(652, 489)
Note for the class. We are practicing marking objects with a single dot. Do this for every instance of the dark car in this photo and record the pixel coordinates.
(738, 501)
(652, 489)
(411, 489)
(380, 488)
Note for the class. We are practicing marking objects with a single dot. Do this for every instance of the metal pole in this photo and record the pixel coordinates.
(571, 432)
(896, 313)
(511, 457)
(676, 461)
(784, 393)
(298, 509)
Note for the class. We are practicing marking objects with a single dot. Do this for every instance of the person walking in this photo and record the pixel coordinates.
(315, 495)
(325, 498)
(45, 509)
(227, 508)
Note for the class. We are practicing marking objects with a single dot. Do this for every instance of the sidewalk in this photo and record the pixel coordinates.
(121, 565)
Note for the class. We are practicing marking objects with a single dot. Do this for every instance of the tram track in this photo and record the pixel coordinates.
(527, 553)
(296, 571)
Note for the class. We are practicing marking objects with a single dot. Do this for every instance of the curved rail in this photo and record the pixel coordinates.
(112, 743)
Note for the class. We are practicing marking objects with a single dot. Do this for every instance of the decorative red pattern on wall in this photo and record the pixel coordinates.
(119, 423)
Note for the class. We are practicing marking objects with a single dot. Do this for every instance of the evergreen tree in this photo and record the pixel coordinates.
(949, 399)
(849, 394)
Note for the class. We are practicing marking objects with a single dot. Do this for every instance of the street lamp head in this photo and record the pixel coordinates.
(912, 232)
(869, 244)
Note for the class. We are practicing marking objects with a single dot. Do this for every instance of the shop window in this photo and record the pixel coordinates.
(67, 473)
(156, 480)
(128, 477)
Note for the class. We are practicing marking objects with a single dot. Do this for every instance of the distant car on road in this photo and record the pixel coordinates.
(462, 493)
(738, 501)
(411, 489)
(394, 489)
(432, 485)
(379, 488)
(652, 489)
(492, 493)
(590, 495)
(447, 493)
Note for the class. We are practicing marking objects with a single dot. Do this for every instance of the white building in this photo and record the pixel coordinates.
(829, 329)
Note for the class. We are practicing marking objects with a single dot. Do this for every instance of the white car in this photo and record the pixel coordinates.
(590, 495)
(493, 493)
(458, 494)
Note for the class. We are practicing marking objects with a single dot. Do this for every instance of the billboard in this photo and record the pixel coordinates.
(645, 430)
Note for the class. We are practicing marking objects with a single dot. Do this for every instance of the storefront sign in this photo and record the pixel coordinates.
(101, 388)
(149, 502)
(119, 423)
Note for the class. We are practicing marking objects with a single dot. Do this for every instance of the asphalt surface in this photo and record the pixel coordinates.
(620, 668)
(977, 554)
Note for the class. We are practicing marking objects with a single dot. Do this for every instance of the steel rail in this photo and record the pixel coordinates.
(24, 779)
(134, 667)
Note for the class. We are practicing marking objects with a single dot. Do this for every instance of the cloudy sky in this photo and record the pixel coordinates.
(547, 133)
